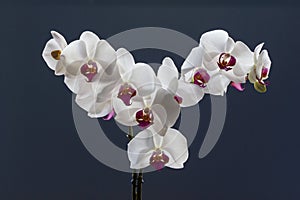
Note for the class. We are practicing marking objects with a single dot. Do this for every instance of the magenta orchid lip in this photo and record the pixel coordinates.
(226, 61)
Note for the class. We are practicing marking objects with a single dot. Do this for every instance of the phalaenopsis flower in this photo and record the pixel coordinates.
(52, 53)
(261, 69)
(149, 148)
(227, 60)
(135, 78)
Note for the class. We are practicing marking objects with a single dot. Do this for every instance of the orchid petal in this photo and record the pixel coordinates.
(245, 60)
(193, 60)
(210, 61)
(160, 119)
(168, 75)
(125, 62)
(214, 41)
(109, 116)
(73, 56)
(60, 40)
(140, 149)
(90, 39)
(175, 144)
(105, 54)
(190, 93)
(217, 85)
(126, 114)
(229, 45)
(237, 86)
(257, 51)
(144, 79)
(170, 105)
(263, 61)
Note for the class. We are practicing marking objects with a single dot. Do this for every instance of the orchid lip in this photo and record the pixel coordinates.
(89, 70)
(264, 74)
(178, 99)
(226, 61)
(201, 78)
(126, 92)
(159, 159)
(56, 54)
(144, 117)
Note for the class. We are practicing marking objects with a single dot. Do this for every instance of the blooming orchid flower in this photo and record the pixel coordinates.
(86, 60)
(228, 61)
(261, 69)
(159, 110)
(52, 53)
(149, 148)
(185, 93)
(194, 72)
(136, 78)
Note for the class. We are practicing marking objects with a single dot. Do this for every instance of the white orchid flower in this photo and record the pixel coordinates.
(136, 78)
(148, 148)
(86, 60)
(52, 53)
(194, 72)
(261, 69)
(185, 93)
(229, 61)
(159, 110)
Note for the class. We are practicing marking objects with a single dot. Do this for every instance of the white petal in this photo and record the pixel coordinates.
(210, 61)
(214, 41)
(165, 99)
(50, 46)
(168, 75)
(257, 51)
(232, 77)
(193, 60)
(100, 109)
(190, 93)
(125, 63)
(74, 82)
(105, 54)
(176, 145)
(90, 39)
(229, 45)
(59, 39)
(144, 79)
(140, 149)
(160, 119)
(87, 94)
(126, 114)
(73, 56)
(244, 57)
(217, 84)
(263, 61)
(60, 69)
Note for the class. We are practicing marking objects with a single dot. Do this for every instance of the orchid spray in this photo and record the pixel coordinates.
(109, 84)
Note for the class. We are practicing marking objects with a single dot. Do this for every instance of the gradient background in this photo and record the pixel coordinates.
(42, 157)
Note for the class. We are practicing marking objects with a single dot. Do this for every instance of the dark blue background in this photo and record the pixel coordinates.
(42, 157)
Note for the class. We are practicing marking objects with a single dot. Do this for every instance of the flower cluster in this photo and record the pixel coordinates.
(110, 83)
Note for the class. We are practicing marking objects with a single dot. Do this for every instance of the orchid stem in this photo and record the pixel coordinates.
(134, 180)
(139, 185)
